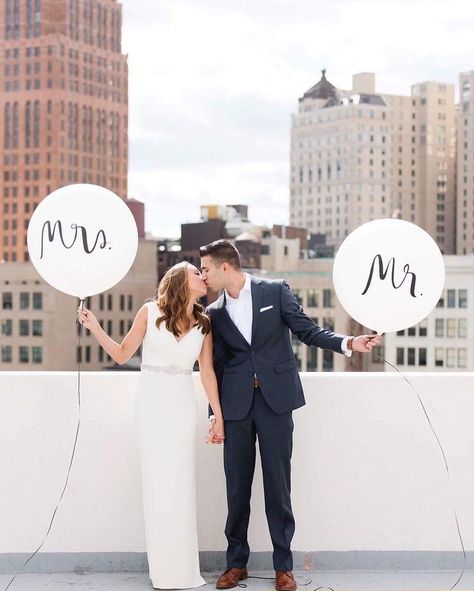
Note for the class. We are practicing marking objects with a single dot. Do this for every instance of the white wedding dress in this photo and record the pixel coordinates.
(166, 415)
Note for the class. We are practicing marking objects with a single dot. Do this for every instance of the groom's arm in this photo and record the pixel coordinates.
(305, 329)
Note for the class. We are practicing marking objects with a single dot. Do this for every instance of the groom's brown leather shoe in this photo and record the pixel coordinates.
(285, 581)
(231, 577)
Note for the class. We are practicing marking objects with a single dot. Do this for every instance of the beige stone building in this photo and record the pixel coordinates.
(359, 155)
(37, 322)
(465, 168)
(442, 341)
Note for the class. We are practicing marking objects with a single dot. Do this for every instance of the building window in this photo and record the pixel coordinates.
(24, 354)
(450, 357)
(130, 303)
(451, 298)
(400, 356)
(122, 302)
(6, 327)
(462, 328)
(439, 357)
(109, 301)
(6, 353)
(462, 358)
(439, 327)
(37, 354)
(24, 328)
(37, 300)
(423, 329)
(37, 328)
(24, 300)
(327, 298)
(312, 298)
(422, 356)
(312, 359)
(7, 300)
(328, 360)
(451, 327)
(412, 331)
(411, 356)
(463, 298)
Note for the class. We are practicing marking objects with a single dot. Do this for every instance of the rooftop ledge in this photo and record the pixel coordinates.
(370, 490)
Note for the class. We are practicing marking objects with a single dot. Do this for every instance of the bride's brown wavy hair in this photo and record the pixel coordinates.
(173, 297)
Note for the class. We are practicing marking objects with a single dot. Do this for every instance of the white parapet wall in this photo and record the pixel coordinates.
(367, 475)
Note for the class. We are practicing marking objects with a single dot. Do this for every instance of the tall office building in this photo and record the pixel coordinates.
(358, 155)
(63, 106)
(465, 168)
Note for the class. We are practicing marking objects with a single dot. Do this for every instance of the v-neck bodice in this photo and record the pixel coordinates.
(161, 348)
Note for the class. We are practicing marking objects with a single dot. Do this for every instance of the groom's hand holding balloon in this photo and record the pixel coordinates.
(364, 343)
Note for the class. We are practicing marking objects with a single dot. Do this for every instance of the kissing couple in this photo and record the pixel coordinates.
(250, 375)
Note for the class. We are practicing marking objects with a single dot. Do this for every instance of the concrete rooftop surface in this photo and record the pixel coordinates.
(307, 581)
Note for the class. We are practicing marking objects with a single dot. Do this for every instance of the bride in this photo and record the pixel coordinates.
(175, 332)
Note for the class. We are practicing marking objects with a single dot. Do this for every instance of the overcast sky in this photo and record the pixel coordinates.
(213, 83)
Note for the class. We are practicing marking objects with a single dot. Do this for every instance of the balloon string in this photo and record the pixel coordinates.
(73, 450)
(444, 460)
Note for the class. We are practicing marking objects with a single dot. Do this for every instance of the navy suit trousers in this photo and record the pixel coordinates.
(275, 440)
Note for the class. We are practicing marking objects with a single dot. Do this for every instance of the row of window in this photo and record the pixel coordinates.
(25, 327)
(84, 354)
(95, 24)
(450, 357)
(451, 327)
(25, 354)
(32, 21)
(26, 300)
(73, 54)
(453, 298)
(312, 359)
(125, 302)
(313, 297)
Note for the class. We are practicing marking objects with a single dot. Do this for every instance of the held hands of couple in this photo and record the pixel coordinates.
(216, 431)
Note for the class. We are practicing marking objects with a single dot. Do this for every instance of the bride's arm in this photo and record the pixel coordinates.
(208, 376)
(122, 352)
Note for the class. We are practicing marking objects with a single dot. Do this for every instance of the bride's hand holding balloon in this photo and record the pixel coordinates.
(87, 318)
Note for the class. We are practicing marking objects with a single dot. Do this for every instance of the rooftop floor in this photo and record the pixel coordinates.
(322, 580)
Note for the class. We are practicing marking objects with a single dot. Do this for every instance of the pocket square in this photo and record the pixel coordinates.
(265, 308)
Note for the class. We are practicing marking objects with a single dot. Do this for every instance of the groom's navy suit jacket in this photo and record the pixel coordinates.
(270, 355)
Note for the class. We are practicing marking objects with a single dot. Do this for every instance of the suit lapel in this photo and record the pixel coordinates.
(257, 296)
(227, 319)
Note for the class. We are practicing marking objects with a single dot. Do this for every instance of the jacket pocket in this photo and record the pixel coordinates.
(285, 365)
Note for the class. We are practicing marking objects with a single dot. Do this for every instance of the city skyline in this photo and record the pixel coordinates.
(212, 89)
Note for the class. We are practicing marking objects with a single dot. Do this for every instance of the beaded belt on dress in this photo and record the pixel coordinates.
(167, 368)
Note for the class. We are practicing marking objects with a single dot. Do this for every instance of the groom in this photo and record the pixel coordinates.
(259, 387)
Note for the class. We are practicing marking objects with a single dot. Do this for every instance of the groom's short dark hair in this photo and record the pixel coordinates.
(222, 251)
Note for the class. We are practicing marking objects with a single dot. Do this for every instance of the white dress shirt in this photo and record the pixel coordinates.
(240, 309)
